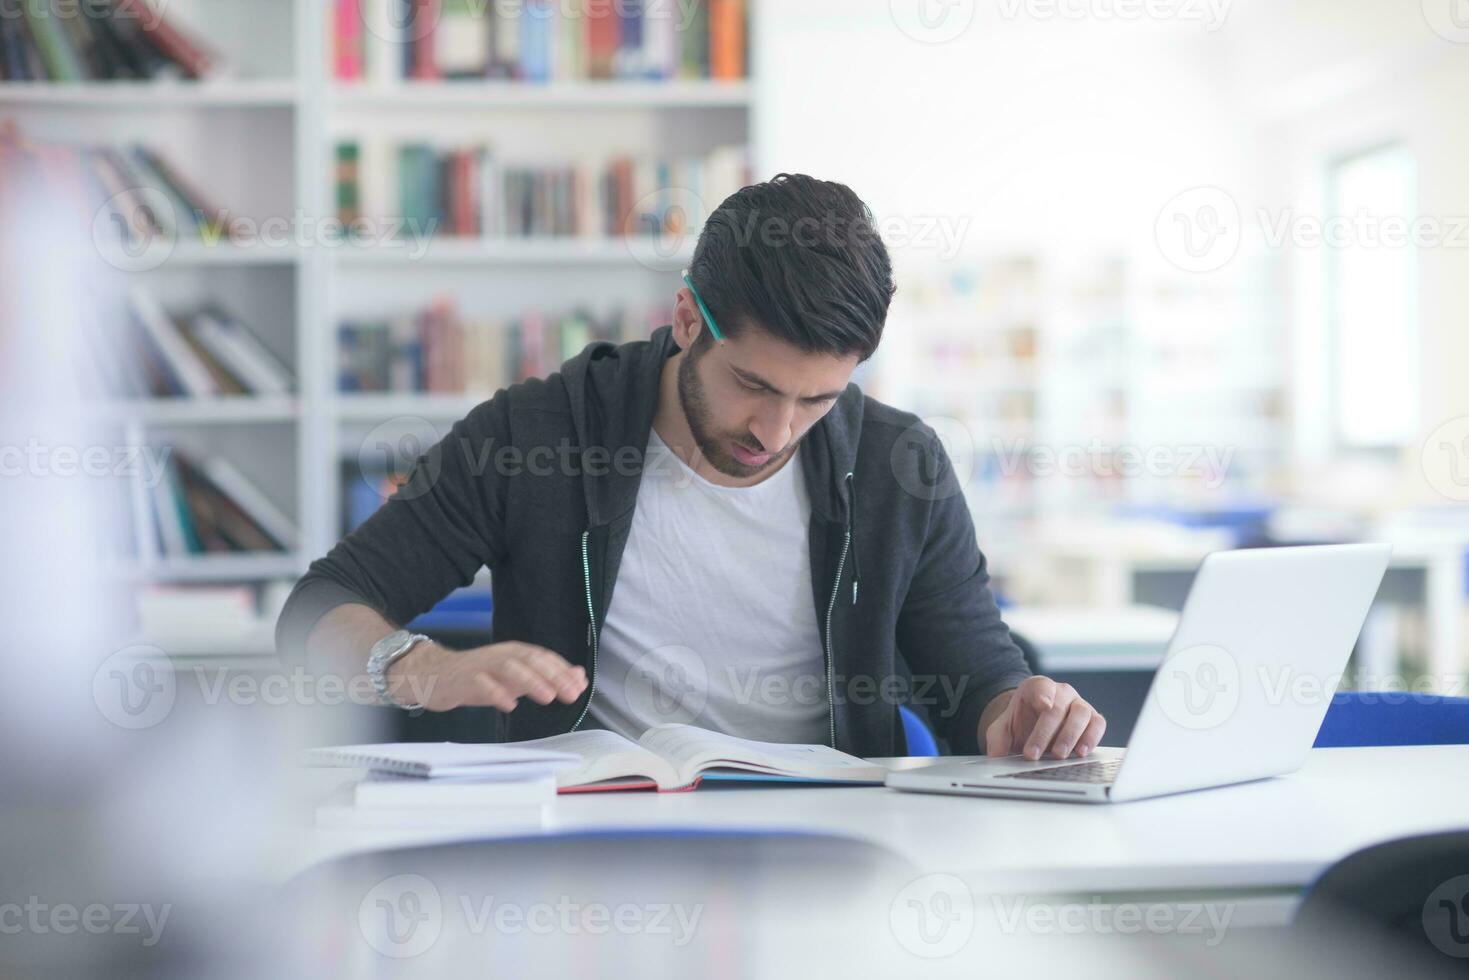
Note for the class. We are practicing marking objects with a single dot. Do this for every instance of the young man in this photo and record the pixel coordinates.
(711, 526)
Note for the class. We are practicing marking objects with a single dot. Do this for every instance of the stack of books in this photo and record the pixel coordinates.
(441, 785)
(98, 40)
(207, 507)
(469, 191)
(198, 354)
(538, 40)
(438, 351)
(201, 620)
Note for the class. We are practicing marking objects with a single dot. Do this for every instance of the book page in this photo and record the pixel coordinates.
(691, 750)
(605, 755)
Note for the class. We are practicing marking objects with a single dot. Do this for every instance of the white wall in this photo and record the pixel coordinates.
(1053, 135)
(1043, 134)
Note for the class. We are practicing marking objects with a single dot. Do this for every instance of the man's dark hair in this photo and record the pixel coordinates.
(799, 258)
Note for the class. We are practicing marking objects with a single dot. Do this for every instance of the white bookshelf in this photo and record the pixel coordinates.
(571, 96)
(1099, 365)
(261, 141)
(150, 96)
(507, 252)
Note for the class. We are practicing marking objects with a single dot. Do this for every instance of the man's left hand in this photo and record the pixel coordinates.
(1041, 716)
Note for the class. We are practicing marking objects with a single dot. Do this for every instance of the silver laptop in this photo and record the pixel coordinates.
(1260, 646)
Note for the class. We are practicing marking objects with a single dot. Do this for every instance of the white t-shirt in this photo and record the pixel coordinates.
(712, 621)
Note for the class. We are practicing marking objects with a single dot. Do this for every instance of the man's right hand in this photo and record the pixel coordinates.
(496, 676)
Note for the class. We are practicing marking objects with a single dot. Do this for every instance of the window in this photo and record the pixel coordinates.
(1371, 298)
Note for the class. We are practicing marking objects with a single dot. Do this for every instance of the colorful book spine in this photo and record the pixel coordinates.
(349, 40)
(726, 39)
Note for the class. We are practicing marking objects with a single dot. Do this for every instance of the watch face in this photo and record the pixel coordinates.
(391, 643)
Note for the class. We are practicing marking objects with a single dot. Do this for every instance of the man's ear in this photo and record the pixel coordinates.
(687, 320)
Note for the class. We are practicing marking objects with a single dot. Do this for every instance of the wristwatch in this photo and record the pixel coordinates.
(385, 653)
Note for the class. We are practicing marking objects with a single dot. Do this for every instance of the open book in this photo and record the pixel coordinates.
(676, 757)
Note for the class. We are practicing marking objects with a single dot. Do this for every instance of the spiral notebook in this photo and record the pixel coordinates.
(433, 760)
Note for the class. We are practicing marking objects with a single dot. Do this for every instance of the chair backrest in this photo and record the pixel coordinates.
(1407, 897)
(920, 739)
(1357, 718)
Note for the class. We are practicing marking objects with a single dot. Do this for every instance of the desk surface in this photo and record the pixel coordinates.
(1275, 834)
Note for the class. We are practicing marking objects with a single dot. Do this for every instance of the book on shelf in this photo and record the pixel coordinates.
(192, 514)
(153, 353)
(103, 40)
(471, 191)
(439, 351)
(144, 194)
(170, 611)
(537, 41)
(679, 757)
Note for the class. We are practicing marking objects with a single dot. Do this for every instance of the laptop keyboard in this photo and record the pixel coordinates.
(1096, 771)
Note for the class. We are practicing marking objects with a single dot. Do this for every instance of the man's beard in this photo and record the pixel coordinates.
(715, 448)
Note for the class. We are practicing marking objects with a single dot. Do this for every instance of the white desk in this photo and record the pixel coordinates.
(1260, 843)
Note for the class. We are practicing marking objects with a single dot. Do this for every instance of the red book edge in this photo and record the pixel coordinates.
(192, 56)
(425, 68)
(631, 784)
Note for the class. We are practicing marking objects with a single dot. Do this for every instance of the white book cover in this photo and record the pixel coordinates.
(185, 364)
(461, 42)
(675, 757)
(145, 527)
(508, 784)
(660, 39)
(432, 760)
(376, 179)
(242, 354)
(382, 42)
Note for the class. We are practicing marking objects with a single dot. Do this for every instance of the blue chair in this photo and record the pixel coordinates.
(1357, 718)
(920, 739)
